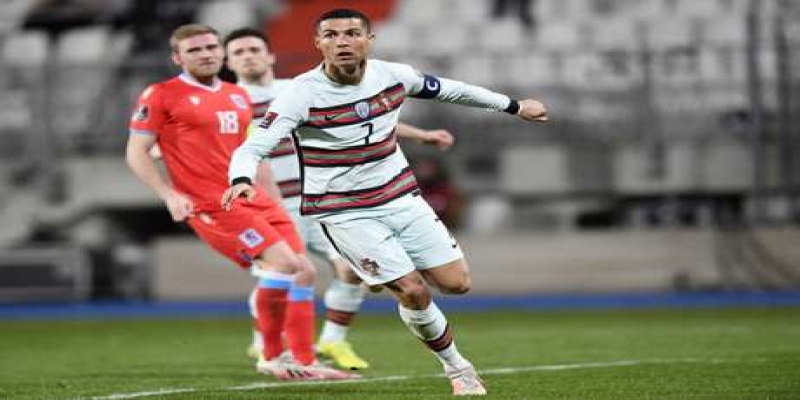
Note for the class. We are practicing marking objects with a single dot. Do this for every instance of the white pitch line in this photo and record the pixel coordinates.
(495, 371)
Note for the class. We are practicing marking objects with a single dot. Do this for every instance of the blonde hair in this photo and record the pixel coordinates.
(187, 31)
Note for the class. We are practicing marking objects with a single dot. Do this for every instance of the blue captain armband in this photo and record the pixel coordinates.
(431, 86)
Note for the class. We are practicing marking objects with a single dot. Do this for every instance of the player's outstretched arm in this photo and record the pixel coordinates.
(440, 138)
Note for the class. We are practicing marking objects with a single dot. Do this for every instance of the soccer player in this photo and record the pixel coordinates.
(357, 182)
(248, 55)
(197, 121)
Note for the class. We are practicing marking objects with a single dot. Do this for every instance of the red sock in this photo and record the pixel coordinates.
(300, 325)
(272, 309)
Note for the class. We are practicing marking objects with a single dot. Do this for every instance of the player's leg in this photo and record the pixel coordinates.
(427, 322)
(299, 328)
(379, 257)
(434, 250)
(245, 238)
(256, 347)
(440, 262)
(449, 278)
(343, 298)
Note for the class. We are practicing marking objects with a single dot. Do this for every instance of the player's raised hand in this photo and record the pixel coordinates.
(441, 138)
(236, 191)
(532, 110)
(180, 207)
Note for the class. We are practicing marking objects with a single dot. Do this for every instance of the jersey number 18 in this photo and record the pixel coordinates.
(228, 122)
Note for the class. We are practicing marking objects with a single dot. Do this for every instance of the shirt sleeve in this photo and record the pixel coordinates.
(149, 115)
(284, 115)
(423, 86)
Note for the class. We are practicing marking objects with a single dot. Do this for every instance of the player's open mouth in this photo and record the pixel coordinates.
(345, 55)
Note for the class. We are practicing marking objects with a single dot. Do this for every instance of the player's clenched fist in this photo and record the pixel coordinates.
(532, 110)
(236, 191)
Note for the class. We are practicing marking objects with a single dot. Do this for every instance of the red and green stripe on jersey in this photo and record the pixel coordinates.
(400, 185)
(284, 148)
(318, 157)
(384, 102)
(260, 109)
(290, 188)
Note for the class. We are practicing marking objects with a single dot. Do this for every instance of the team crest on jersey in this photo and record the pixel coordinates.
(251, 238)
(268, 120)
(142, 113)
(362, 109)
(239, 101)
(194, 99)
(369, 266)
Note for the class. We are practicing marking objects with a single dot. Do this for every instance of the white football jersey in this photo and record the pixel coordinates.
(283, 159)
(349, 155)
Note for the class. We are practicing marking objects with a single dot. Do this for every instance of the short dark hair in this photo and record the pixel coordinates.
(186, 31)
(344, 13)
(247, 32)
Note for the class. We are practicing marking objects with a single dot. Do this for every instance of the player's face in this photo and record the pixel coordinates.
(343, 42)
(249, 57)
(200, 55)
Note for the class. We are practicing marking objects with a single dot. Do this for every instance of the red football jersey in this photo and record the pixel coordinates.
(197, 128)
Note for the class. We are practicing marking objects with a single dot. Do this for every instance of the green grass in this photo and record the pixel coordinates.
(714, 354)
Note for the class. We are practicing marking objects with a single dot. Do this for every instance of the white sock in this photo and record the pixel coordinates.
(430, 326)
(344, 298)
(333, 332)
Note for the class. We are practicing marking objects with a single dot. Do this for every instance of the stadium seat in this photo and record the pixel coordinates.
(12, 14)
(22, 82)
(83, 45)
(583, 70)
(634, 172)
(703, 8)
(120, 187)
(476, 68)
(477, 12)
(421, 11)
(226, 15)
(617, 34)
(82, 73)
(530, 70)
(393, 39)
(15, 111)
(502, 36)
(539, 170)
(564, 37)
(729, 31)
(670, 33)
(450, 39)
(487, 214)
(727, 167)
(556, 12)
(644, 10)
(25, 49)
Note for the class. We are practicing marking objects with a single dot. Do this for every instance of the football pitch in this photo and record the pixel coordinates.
(720, 353)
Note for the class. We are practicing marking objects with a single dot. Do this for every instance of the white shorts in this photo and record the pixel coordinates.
(387, 242)
(311, 232)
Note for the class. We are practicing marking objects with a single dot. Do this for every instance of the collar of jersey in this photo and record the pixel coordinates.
(189, 80)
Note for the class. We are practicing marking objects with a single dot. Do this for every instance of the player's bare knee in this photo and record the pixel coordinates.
(461, 286)
(411, 292)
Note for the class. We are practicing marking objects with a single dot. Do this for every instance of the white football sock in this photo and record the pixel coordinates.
(430, 325)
